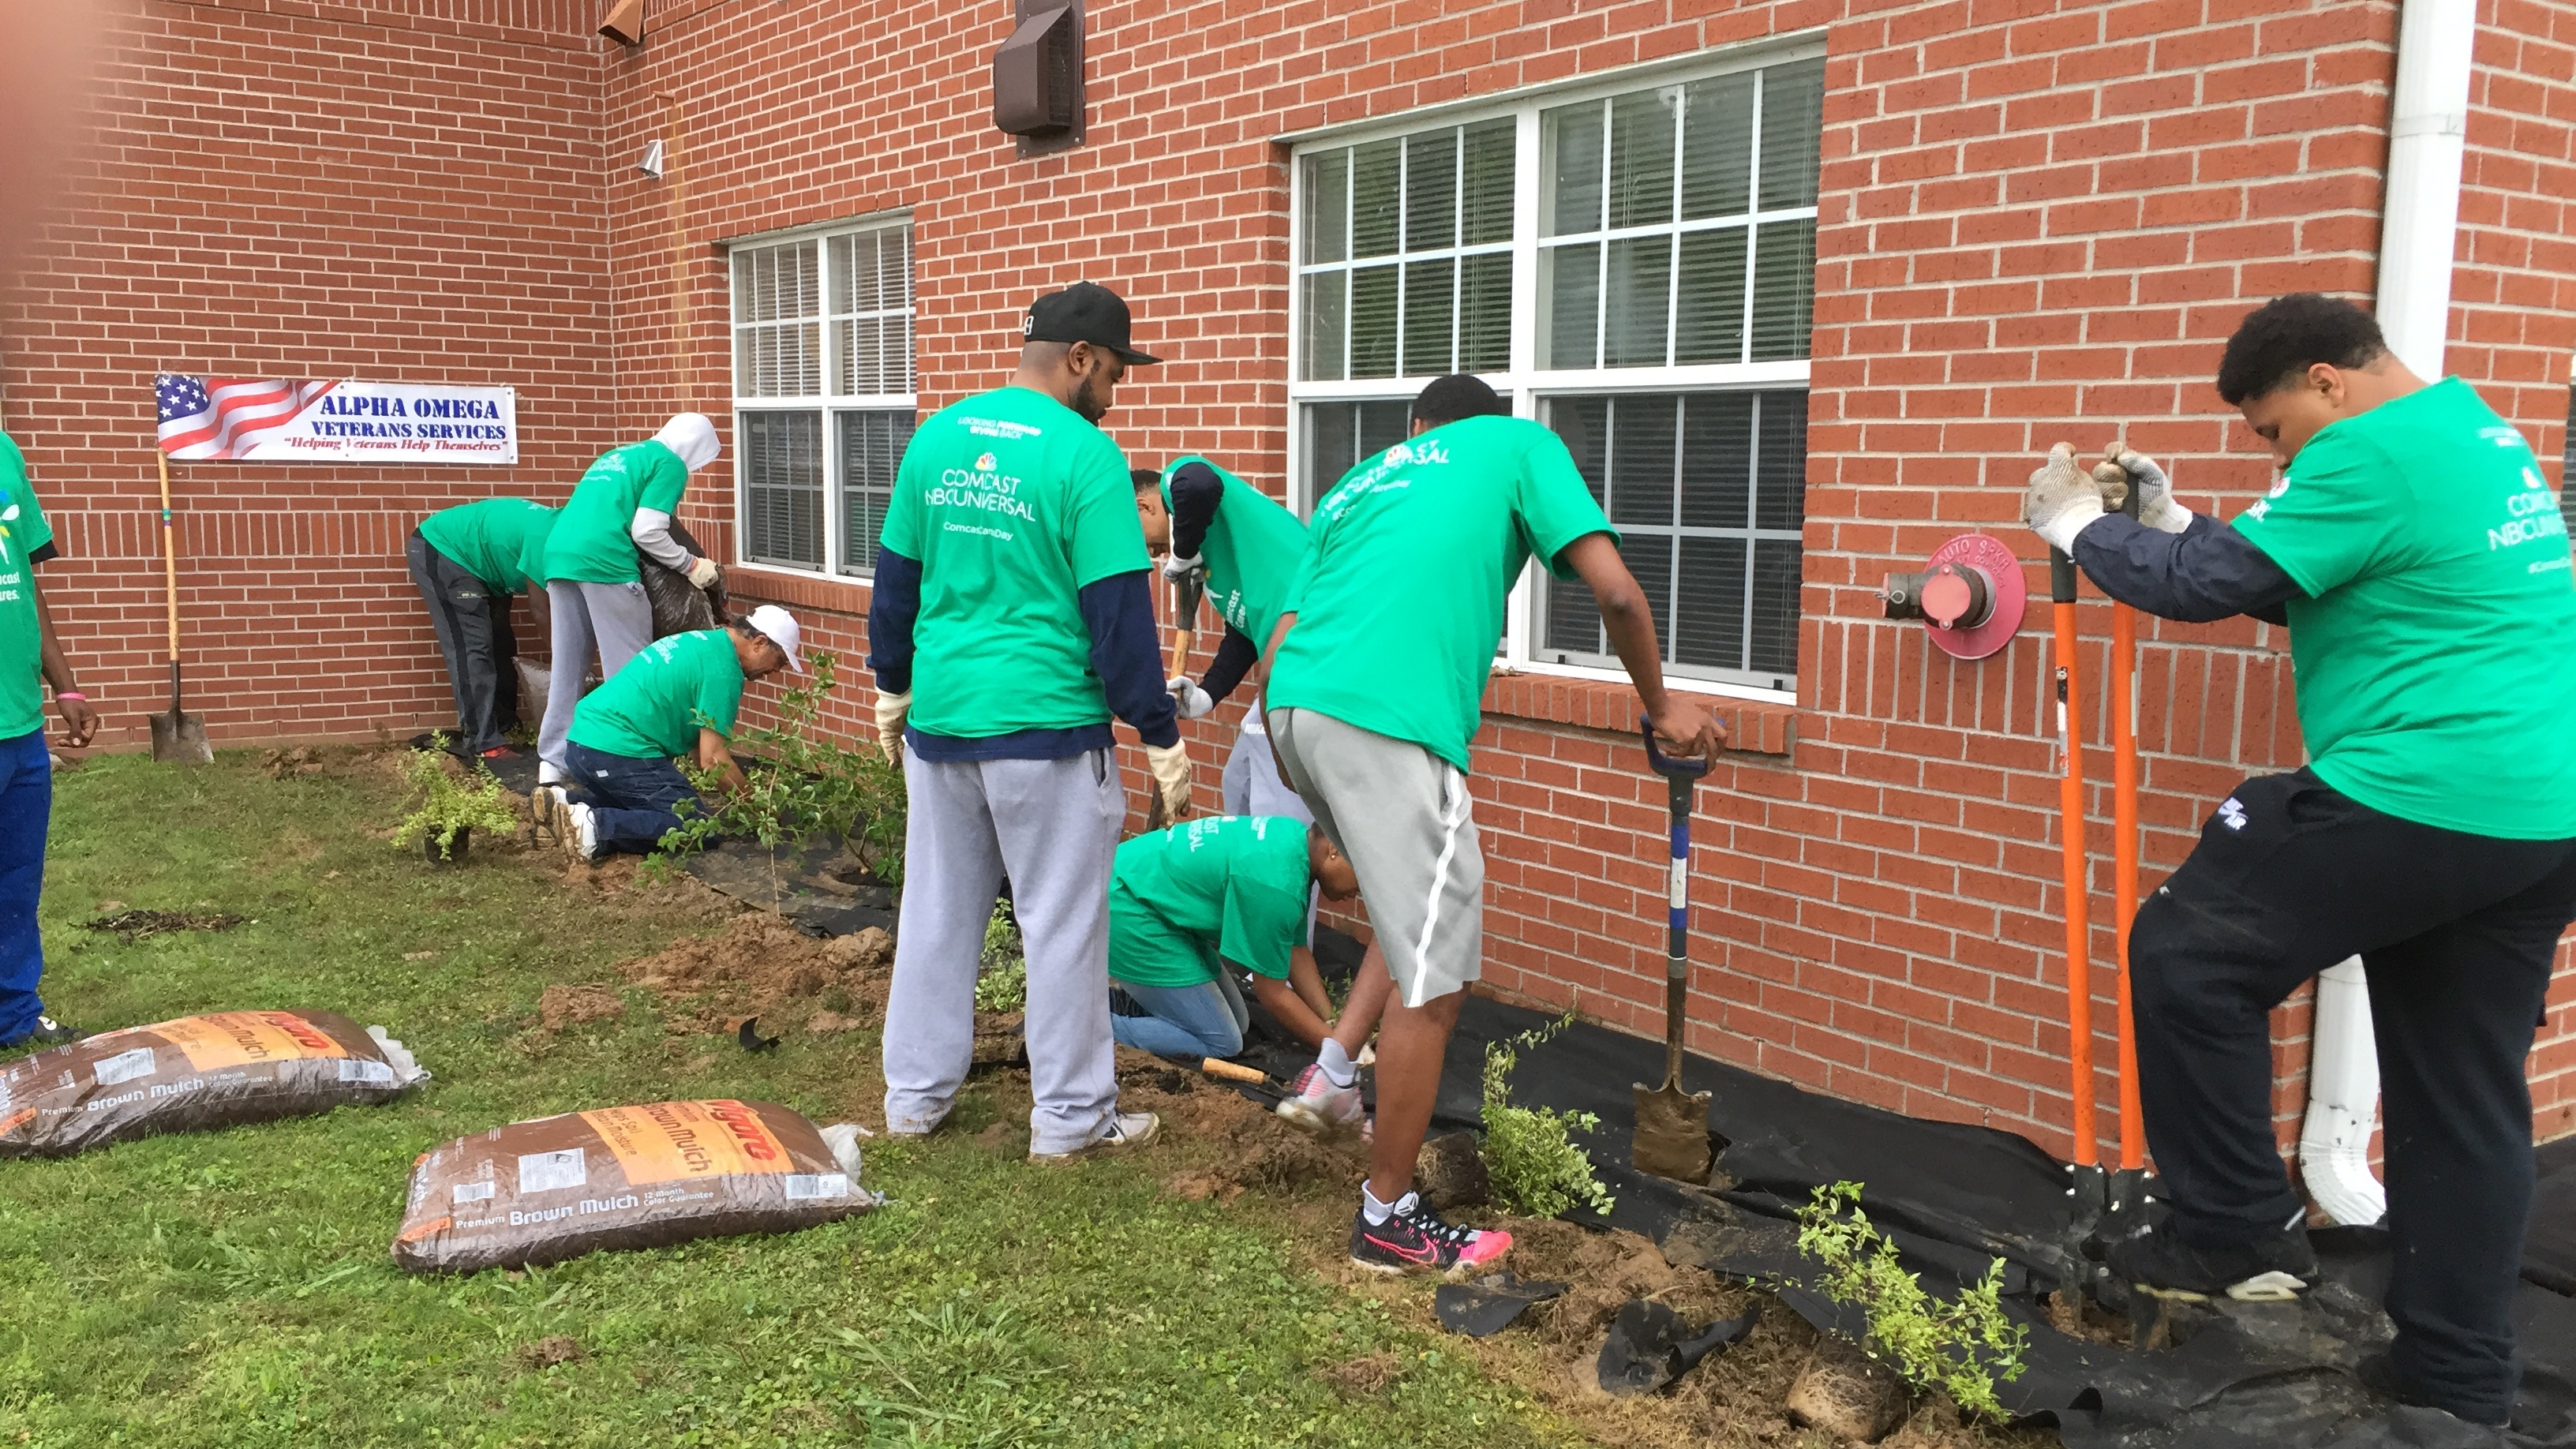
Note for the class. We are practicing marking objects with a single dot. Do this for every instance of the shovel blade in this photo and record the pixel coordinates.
(1672, 1133)
(181, 739)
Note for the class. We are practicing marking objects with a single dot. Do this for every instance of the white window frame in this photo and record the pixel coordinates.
(1525, 385)
(826, 404)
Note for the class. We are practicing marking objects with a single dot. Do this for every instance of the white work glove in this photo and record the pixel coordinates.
(703, 573)
(891, 709)
(1171, 766)
(2156, 508)
(1176, 568)
(2061, 500)
(1188, 698)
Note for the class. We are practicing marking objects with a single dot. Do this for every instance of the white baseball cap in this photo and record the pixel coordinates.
(779, 627)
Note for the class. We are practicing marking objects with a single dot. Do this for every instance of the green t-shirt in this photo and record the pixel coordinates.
(593, 541)
(1232, 888)
(501, 541)
(23, 531)
(1010, 503)
(1252, 549)
(2436, 650)
(655, 706)
(1409, 560)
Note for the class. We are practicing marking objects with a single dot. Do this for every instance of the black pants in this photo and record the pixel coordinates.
(2456, 933)
(473, 624)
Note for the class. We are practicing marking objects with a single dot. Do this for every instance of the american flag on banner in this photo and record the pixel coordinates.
(227, 417)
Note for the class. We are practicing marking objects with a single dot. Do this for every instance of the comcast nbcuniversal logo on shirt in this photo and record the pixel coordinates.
(982, 488)
(1382, 474)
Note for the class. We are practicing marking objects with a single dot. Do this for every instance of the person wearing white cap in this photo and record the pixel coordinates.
(678, 696)
(622, 505)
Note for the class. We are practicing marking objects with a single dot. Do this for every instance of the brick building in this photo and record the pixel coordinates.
(1805, 285)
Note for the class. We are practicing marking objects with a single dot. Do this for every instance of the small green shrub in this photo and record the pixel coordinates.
(1536, 1169)
(1002, 980)
(801, 785)
(450, 800)
(1962, 1346)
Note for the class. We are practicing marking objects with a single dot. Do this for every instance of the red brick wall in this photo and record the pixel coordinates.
(2040, 218)
(273, 188)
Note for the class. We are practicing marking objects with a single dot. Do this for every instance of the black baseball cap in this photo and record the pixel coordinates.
(1083, 312)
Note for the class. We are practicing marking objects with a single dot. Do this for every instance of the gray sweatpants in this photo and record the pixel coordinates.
(1052, 826)
(615, 619)
(1251, 784)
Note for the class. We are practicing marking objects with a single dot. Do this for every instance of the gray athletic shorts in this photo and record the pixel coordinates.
(1402, 815)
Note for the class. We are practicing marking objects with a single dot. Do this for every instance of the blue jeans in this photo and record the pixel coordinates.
(26, 807)
(1205, 1020)
(633, 802)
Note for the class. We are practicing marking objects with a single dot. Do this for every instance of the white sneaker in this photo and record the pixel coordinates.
(545, 807)
(580, 832)
(1319, 1107)
(1125, 1130)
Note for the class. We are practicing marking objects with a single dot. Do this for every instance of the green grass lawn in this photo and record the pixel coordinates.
(234, 1288)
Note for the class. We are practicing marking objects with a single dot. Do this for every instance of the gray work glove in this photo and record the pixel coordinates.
(2156, 508)
(1176, 567)
(2062, 498)
(1188, 699)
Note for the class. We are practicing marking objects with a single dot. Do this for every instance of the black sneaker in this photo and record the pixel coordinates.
(2378, 1373)
(1415, 1237)
(47, 1032)
(2272, 1269)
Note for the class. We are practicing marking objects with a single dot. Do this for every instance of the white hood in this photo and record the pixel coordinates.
(691, 436)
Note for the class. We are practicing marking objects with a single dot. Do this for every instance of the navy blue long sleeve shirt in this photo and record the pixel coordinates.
(1118, 613)
(2206, 572)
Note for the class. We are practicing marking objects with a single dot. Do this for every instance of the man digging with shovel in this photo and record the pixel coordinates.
(1377, 675)
(30, 657)
(2415, 552)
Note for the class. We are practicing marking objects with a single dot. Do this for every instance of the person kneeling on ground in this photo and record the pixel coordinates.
(678, 697)
(1193, 907)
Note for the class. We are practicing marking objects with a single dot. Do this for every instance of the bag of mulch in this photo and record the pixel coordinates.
(678, 605)
(193, 1074)
(542, 1191)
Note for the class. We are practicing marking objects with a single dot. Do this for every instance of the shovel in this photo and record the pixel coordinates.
(1672, 1125)
(175, 736)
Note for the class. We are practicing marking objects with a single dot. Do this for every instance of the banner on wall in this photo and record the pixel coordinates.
(267, 420)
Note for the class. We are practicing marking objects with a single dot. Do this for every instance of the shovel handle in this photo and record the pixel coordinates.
(1680, 776)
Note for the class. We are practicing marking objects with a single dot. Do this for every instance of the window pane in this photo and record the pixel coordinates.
(1793, 107)
(1373, 322)
(1375, 204)
(1775, 606)
(871, 447)
(1780, 475)
(1640, 298)
(1328, 206)
(1649, 556)
(1571, 623)
(1784, 289)
(1431, 191)
(1641, 460)
(1340, 434)
(1485, 205)
(782, 489)
(1573, 150)
(1324, 325)
(1717, 460)
(1711, 631)
(1641, 158)
(1485, 312)
(1569, 280)
(1428, 307)
(1717, 147)
(1709, 326)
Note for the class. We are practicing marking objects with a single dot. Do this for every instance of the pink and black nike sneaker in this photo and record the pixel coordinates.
(1414, 1238)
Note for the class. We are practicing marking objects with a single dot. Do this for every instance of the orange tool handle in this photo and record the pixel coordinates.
(1233, 1071)
(2124, 863)
(2070, 810)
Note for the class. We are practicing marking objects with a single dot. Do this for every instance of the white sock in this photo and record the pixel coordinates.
(1377, 1212)
(1337, 1064)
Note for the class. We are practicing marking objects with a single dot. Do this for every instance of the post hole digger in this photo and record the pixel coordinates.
(1672, 1124)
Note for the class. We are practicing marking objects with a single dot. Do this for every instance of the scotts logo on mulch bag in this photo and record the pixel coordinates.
(625, 1177)
(199, 1072)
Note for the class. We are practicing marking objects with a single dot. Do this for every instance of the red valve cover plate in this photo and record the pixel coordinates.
(2004, 584)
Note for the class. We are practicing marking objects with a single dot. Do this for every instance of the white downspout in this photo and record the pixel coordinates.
(2428, 124)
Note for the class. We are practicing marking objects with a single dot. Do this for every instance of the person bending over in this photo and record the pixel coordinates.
(468, 562)
(680, 696)
(2416, 554)
(1193, 908)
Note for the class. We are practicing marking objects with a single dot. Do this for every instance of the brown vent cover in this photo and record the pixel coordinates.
(624, 22)
(1037, 76)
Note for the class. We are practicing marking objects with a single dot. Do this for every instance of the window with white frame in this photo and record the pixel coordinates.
(1632, 265)
(823, 392)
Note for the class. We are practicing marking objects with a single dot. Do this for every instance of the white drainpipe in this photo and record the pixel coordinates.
(2428, 123)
